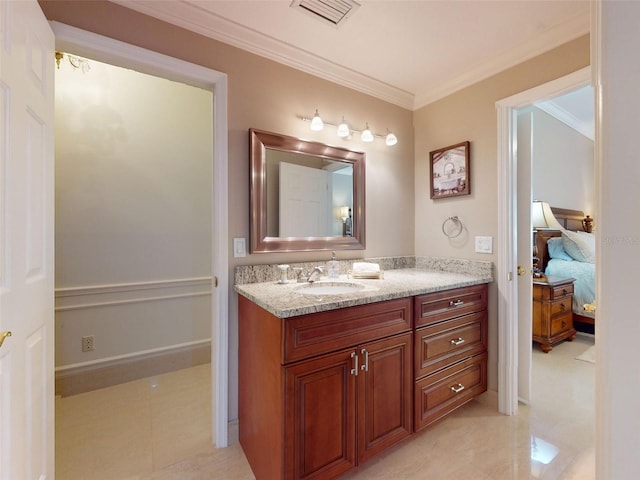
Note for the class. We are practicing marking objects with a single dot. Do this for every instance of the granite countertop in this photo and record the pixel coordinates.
(284, 301)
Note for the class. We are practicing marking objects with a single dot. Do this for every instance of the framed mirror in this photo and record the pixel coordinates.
(305, 196)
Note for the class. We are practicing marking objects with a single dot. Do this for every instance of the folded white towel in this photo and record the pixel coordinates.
(365, 267)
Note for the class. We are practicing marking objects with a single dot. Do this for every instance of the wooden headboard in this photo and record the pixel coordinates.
(541, 243)
(569, 219)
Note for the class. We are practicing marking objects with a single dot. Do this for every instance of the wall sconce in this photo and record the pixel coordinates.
(345, 215)
(75, 62)
(344, 131)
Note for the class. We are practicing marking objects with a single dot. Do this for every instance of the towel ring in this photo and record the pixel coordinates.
(452, 227)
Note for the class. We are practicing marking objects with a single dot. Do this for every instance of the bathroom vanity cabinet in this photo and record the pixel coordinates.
(323, 392)
(450, 351)
(320, 393)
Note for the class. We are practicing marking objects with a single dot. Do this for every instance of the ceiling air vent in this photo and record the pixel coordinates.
(333, 12)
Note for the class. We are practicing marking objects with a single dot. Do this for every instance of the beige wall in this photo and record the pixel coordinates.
(133, 205)
(268, 96)
(470, 114)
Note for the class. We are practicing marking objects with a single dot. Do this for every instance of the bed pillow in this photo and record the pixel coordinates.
(556, 249)
(580, 245)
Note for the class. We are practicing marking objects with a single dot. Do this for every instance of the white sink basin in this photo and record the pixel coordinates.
(329, 288)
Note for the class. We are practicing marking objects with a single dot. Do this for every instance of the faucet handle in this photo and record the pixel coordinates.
(298, 272)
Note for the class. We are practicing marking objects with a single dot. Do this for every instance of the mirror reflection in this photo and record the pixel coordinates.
(305, 195)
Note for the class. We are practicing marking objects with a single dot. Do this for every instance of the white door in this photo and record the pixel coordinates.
(304, 196)
(524, 249)
(26, 242)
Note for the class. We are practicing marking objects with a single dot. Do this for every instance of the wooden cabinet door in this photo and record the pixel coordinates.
(320, 416)
(385, 397)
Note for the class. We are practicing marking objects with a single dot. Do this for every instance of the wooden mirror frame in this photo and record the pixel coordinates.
(259, 142)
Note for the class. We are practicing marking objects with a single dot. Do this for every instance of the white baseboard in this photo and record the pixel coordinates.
(88, 377)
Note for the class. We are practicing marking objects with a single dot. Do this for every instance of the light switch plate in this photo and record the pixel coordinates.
(239, 247)
(484, 244)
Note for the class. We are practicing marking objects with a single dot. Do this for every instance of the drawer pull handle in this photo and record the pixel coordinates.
(457, 303)
(562, 307)
(354, 370)
(365, 366)
(457, 388)
(457, 341)
(564, 291)
(564, 324)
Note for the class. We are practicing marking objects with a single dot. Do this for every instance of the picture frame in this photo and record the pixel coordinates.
(449, 168)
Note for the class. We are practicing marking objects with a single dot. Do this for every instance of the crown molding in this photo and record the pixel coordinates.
(567, 118)
(552, 38)
(199, 20)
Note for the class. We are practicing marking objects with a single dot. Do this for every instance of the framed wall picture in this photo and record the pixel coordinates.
(449, 168)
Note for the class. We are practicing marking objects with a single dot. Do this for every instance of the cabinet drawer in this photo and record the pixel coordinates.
(324, 332)
(445, 343)
(547, 293)
(442, 392)
(560, 307)
(438, 306)
(561, 323)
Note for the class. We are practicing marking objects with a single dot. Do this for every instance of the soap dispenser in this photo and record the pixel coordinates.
(333, 266)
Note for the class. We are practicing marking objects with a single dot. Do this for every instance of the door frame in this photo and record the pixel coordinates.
(508, 333)
(121, 54)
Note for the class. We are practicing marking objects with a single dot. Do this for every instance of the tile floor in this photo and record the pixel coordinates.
(158, 429)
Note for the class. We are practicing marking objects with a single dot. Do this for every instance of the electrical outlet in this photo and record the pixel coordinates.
(87, 343)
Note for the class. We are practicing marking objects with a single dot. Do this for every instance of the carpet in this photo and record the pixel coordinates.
(589, 355)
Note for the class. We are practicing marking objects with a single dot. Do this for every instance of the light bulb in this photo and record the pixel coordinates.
(391, 139)
(366, 135)
(343, 129)
(316, 122)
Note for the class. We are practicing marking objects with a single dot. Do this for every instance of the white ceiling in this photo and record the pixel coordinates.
(409, 53)
(576, 109)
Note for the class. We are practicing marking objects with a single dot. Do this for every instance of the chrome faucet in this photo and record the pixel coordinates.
(313, 276)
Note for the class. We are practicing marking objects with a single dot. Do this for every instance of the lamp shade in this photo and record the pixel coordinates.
(343, 129)
(316, 122)
(391, 139)
(542, 216)
(366, 135)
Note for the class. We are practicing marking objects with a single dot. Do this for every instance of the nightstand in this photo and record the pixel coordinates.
(552, 311)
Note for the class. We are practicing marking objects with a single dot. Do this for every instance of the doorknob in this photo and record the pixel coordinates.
(4, 335)
(521, 270)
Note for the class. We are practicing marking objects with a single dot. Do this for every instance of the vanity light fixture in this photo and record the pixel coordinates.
(316, 122)
(345, 132)
(366, 135)
(343, 129)
(390, 140)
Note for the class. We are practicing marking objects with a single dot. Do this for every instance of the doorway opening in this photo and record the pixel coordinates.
(118, 53)
(514, 337)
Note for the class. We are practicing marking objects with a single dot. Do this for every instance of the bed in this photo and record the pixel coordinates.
(570, 255)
